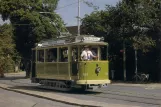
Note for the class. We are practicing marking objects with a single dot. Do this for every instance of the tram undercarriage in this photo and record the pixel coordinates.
(64, 85)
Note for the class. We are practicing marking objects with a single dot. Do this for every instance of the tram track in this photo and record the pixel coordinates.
(132, 94)
(129, 98)
(110, 94)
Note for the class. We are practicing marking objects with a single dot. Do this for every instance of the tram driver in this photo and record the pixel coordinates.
(87, 54)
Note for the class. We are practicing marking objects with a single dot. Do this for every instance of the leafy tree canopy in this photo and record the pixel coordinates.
(7, 49)
(30, 23)
(129, 20)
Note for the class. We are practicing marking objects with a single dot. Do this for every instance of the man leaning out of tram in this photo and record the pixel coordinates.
(87, 54)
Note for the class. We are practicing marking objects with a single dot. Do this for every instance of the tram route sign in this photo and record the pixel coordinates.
(88, 39)
(94, 39)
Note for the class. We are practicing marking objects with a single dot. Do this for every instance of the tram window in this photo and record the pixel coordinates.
(40, 55)
(94, 51)
(63, 55)
(74, 54)
(104, 53)
(51, 55)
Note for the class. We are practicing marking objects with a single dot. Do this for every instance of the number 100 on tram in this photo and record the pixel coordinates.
(71, 62)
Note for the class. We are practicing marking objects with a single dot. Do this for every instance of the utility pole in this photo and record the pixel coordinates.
(78, 17)
(124, 60)
(136, 68)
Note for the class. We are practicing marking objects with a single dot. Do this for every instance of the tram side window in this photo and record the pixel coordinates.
(104, 53)
(51, 55)
(63, 54)
(74, 54)
(40, 55)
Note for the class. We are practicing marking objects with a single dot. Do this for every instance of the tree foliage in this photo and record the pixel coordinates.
(30, 25)
(7, 49)
(136, 23)
(128, 21)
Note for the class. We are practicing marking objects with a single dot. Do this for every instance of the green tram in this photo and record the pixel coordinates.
(57, 64)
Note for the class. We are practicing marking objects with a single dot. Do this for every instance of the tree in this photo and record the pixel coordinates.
(128, 22)
(7, 49)
(30, 26)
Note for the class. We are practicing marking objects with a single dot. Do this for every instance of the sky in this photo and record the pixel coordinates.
(70, 12)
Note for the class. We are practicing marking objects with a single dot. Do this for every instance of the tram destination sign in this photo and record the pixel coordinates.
(93, 39)
(88, 39)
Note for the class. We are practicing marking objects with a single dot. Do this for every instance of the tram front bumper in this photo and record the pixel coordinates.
(81, 82)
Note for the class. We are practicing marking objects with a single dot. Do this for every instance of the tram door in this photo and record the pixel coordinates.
(74, 61)
(33, 64)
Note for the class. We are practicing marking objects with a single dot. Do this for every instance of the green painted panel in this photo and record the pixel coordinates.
(46, 70)
(50, 69)
(39, 69)
(87, 70)
(63, 69)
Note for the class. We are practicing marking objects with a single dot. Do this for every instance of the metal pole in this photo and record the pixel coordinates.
(124, 60)
(78, 17)
(136, 69)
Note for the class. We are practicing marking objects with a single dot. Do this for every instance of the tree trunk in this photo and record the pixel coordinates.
(1, 73)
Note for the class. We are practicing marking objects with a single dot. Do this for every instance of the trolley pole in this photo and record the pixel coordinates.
(78, 17)
(124, 60)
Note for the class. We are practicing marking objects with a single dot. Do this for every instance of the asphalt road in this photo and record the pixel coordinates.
(13, 99)
(114, 94)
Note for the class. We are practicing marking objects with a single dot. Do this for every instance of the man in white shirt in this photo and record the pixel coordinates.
(87, 54)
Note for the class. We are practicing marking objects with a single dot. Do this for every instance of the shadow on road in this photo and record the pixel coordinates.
(23, 83)
(36, 88)
(13, 78)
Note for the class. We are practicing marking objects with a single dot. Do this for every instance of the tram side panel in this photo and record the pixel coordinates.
(54, 71)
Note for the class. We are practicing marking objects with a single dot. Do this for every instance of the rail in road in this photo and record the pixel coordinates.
(150, 100)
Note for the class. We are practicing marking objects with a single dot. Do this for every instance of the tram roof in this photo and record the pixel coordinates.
(71, 40)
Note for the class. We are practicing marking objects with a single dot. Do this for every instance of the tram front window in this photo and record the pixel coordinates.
(89, 53)
(95, 53)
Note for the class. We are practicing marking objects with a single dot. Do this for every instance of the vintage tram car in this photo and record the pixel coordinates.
(56, 64)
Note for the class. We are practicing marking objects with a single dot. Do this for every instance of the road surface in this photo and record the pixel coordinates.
(132, 95)
(13, 99)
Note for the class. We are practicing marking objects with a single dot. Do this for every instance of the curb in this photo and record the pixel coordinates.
(52, 99)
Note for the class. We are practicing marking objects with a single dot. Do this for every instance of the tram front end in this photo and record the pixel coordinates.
(93, 74)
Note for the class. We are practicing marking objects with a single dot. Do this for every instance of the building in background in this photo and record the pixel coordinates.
(73, 29)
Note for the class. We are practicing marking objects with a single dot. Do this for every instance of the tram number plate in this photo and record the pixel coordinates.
(85, 74)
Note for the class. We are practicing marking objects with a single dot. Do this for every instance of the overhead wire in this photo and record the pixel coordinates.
(68, 5)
